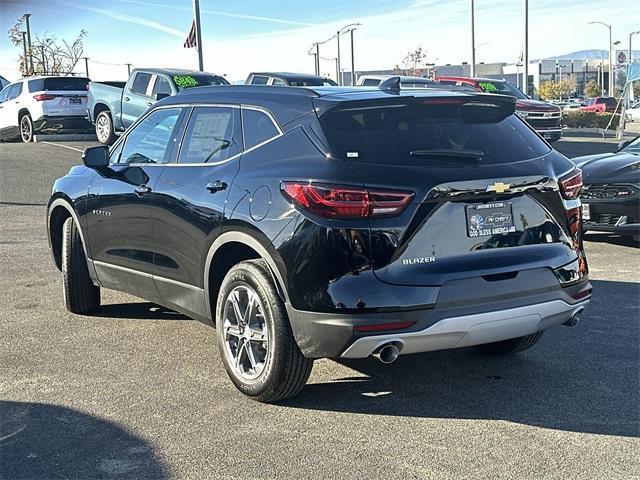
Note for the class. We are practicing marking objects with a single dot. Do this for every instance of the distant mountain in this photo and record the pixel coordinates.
(589, 55)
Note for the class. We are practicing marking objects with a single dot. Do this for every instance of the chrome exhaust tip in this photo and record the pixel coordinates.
(575, 318)
(387, 353)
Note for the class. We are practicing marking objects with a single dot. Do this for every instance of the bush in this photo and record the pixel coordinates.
(579, 119)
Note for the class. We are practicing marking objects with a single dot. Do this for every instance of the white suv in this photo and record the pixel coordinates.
(43, 104)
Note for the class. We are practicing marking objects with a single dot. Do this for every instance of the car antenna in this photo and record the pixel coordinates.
(391, 84)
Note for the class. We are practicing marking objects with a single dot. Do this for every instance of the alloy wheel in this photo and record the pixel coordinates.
(103, 129)
(25, 129)
(245, 332)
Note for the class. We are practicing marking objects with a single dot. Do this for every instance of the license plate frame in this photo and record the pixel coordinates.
(75, 101)
(486, 219)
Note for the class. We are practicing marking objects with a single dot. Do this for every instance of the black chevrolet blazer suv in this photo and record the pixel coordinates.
(329, 222)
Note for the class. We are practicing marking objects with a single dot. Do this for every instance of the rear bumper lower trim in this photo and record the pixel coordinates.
(468, 330)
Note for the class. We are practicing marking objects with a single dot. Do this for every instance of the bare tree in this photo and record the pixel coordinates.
(50, 55)
(411, 63)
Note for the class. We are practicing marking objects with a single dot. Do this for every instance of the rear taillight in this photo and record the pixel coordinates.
(571, 185)
(41, 97)
(333, 201)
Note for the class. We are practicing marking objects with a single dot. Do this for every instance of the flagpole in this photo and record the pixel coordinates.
(196, 17)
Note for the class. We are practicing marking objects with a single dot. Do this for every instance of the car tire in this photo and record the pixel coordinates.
(259, 353)
(513, 345)
(80, 294)
(26, 128)
(104, 128)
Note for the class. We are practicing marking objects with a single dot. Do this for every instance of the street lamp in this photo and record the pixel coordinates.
(346, 29)
(630, 50)
(316, 45)
(610, 55)
(560, 67)
(473, 40)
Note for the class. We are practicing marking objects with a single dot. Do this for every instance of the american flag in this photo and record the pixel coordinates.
(191, 40)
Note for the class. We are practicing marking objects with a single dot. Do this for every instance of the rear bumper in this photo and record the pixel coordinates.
(469, 330)
(62, 122)
(467, 312)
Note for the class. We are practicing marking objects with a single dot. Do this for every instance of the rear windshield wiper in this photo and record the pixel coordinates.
(463, 154)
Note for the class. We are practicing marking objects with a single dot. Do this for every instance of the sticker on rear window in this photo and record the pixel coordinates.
(488, 87)
(352, 154)
(185, 81)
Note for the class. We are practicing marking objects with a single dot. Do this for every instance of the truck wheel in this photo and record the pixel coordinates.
(513, 345)
(104, 128)
(26, 128)
(255, 340)
(80, 294)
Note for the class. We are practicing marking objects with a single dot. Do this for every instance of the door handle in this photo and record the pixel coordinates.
(149, 104)
(126, 99)
(216, 186)
(142, 190)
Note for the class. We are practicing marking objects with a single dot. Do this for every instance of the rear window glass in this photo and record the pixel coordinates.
(59, 83)
(501, 88)
(435, 133)
(197, 80)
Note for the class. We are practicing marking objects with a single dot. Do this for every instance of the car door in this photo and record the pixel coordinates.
(9, 111)
(118, 219)
(136, 98)
(189, 204)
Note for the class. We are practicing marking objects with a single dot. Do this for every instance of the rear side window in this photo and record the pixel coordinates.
(424, 132)
(371, 82)
(162, 86)
(210, 135)
(15, 91)
(259, 80)
(257, 127)
(4, 95)
(59, 84)
(140, 83)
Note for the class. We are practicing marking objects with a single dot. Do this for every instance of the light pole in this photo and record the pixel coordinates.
(560, 67)
(630, 50)
(86, 65)
(340, 31)
(473, 40)
(26, 21)
(316, 45)
(25, 63)
(610, 55)
(525, 50)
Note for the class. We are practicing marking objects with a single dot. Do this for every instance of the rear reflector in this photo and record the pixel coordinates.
(340, 202)
(383, 327)
(571, 185)
(44, 96)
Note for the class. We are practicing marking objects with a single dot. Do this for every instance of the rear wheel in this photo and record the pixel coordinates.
(255, 340)
(80, 294)
(513, 345)
(26, 128)
(104, 128)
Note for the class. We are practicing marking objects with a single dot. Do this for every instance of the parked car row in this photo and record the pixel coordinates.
(113, 106)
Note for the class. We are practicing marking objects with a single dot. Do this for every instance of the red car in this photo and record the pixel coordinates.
(544, 118)
(600, 105)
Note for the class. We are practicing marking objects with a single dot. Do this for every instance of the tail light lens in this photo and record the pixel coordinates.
(41, 97)
(571, 185)
(333, 201)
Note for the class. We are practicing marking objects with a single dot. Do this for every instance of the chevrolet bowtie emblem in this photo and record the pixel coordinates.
(499, 187)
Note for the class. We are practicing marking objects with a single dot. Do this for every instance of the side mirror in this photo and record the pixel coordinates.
(160, 96)
(621, 145)
(96, 157)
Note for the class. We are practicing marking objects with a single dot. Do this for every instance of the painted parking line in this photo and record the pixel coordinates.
(64, 146)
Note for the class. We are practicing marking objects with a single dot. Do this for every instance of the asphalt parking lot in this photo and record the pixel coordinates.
(140, 392)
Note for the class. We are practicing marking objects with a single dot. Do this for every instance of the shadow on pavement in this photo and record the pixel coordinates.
(583, 379)
(39, 441)
(138, 311)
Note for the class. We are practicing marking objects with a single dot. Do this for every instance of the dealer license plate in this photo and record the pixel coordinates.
(586, 211)
(75, 101)
(489, 219)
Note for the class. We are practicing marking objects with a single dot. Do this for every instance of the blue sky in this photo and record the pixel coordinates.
(244, 35)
